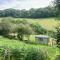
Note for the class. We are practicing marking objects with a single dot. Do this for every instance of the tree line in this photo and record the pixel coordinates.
(31, 13)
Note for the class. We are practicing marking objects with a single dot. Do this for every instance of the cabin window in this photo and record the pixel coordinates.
(41, 39)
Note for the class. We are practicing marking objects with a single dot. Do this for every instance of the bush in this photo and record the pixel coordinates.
(38, 29)
(24, 30)
(35, 54)
(22, 53)
(18, 54)
(57, 34)
(4, 28)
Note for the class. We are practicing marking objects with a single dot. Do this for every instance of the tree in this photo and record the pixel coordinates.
(4, 28)
(31, 13)
(23, 30)
(57, 5)
(38, 29)
(23, 13)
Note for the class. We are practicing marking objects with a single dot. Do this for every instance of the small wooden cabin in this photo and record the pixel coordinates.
(43, 39)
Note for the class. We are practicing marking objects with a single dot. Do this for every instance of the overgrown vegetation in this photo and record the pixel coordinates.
(13, 31)
(57, 5)
(18, 28)
(22, 53)
(11, 49)
(38, 29)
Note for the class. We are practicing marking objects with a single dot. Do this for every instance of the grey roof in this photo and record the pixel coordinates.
(41, 36)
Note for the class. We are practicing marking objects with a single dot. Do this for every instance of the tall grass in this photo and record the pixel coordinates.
(16, 50)
(23, 53)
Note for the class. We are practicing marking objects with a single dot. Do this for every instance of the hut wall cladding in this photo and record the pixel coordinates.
(42, 39)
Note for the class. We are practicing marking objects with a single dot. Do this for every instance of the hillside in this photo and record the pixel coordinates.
(48, 23)
(20, 48)
(14, 44)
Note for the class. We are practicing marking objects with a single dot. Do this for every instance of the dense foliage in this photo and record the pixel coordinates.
(22, 53)
(12, 28)
(32, 13)
(11, 49)
(38, 29)
(57, 5)
(57, 35)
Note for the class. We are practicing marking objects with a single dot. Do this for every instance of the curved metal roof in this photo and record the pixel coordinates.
(41, 36)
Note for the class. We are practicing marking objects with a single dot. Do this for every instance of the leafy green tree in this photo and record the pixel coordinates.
(31, 13)
(38, 29)
(23, 30)
(57, 5)
(4, 28)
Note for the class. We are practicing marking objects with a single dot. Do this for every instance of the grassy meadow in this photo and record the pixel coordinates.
(24, 48)
(48, 23)
(52, 52)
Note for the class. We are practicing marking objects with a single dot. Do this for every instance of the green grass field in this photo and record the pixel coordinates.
(48, 23)
(13, 44)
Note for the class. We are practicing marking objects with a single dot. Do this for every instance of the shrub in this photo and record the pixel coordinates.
(35, 54)
(24, 30)
(18, 54)
(4, 28)
(38, 29)
(57, 34)
(29, 53)
(22, 53)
